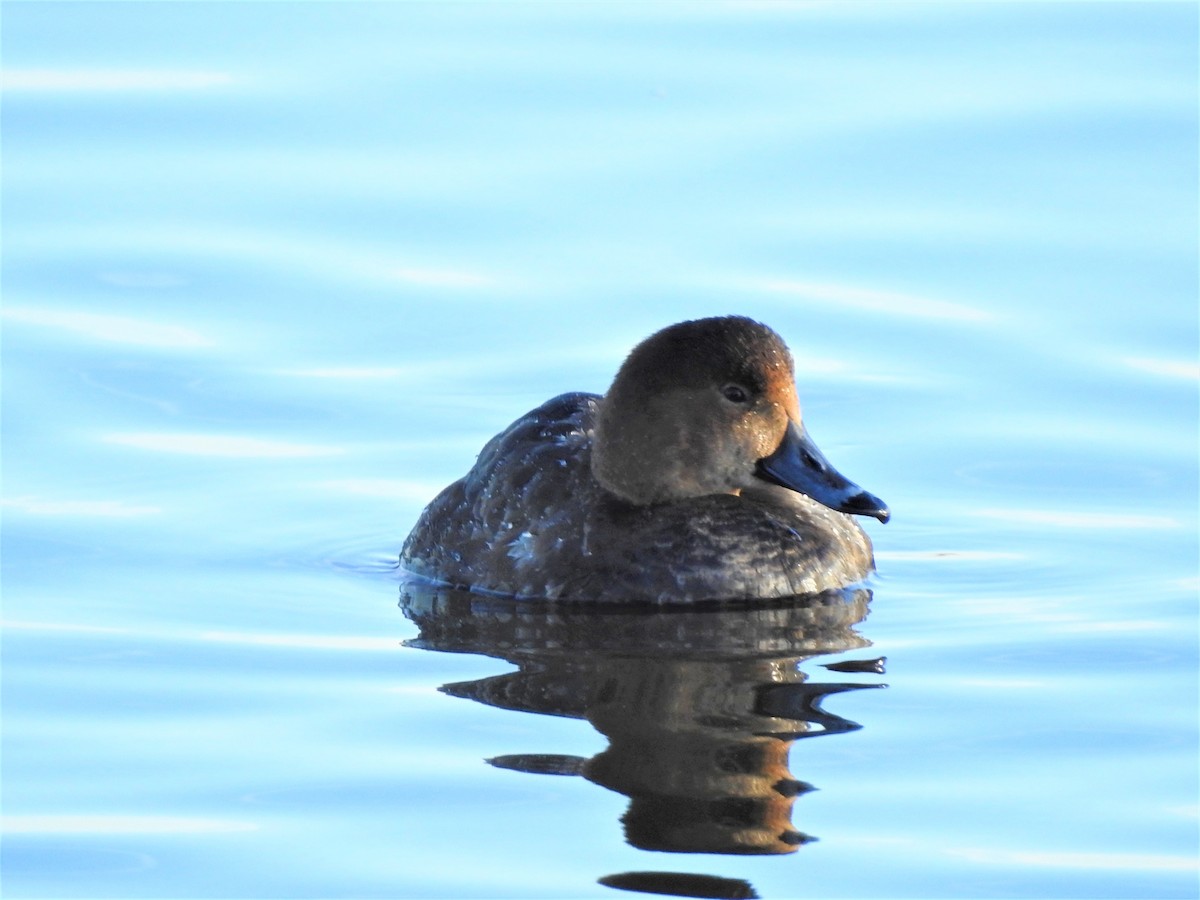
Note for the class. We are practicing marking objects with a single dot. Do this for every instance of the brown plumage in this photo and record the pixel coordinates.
(668, 489)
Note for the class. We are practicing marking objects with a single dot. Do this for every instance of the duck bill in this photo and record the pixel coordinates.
(799, 466)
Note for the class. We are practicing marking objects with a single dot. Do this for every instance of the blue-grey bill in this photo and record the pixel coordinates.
(800, 466)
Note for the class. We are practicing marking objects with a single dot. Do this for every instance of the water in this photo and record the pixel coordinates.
(273, 273)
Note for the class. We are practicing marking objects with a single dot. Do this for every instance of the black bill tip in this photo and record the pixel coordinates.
(864, 504)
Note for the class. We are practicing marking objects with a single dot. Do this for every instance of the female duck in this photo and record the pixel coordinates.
(691, 479)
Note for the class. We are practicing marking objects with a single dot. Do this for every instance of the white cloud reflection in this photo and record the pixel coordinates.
(392, 489)
(220, 445)
(354, 372)
(104, 80)
(117, 509)
(440, 277)
(235, 638)
(1070, 860)
(380, 263)
(1080, 520)
(871, 300)
(153, 280)
(85, 824)
(300, 641)
(1040, 858)
(1170, 368)
(111, 329)
(952, 555)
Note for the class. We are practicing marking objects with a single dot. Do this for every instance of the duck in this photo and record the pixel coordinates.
(692, 479)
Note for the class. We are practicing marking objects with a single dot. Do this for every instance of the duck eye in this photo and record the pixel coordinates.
(735, 393)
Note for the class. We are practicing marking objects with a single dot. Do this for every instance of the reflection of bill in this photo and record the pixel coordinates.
(681, 884)
(700, 705)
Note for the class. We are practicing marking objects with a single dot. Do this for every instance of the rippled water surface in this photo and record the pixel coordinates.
(273, 273)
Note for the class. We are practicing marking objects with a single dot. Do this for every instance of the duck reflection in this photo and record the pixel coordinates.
(700, 706)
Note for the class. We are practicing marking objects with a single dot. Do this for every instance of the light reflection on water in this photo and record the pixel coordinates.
(275, 272)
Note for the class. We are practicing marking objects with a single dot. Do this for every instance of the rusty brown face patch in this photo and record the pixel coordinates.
(781, 388)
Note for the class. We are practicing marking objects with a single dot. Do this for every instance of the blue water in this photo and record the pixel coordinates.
(273, 273)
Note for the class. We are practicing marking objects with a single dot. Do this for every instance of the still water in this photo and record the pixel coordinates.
(273, 273)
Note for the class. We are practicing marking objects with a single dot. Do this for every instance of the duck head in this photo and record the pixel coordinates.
(710, 407)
